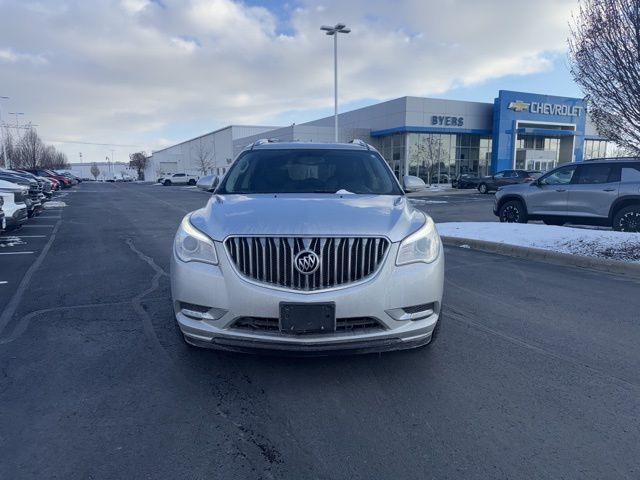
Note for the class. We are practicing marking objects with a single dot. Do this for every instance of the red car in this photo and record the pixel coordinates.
(61, 179)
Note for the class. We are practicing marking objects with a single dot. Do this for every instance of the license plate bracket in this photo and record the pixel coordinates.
(299, 318)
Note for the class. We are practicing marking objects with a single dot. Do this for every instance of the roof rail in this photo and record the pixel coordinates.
(262, 141)
(357, 141)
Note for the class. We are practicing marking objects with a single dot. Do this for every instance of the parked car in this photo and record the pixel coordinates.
(33, 202)
(179, 179)
(491, 183)
(600, 192)
(310, 248)
(63, 181)
(42, 186)
(72, 178)
(15, 209)
(465, 181)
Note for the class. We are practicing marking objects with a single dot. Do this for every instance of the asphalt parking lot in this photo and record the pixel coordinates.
(536, 372)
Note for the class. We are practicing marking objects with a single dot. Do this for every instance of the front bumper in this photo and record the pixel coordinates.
(18, 218)
(228, 297)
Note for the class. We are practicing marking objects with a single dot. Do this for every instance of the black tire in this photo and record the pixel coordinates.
(513, 211)
(627, 219)
(558, 222)
(483, 188)
(192, 182)
(167, 183)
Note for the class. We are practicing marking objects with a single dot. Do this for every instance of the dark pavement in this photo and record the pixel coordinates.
(536, 372)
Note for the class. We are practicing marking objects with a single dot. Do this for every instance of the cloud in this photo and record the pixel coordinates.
(10, 56)
(128, 71)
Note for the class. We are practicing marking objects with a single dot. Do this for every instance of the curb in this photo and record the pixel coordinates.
(568, 259)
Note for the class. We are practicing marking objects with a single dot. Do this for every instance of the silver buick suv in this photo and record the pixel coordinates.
(308, 248)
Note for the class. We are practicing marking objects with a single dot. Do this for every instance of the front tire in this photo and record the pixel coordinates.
(482, 188)
(513, 211)
(627, 219)
(167, 183)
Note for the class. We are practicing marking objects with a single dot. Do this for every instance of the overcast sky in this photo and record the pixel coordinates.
(151, 73)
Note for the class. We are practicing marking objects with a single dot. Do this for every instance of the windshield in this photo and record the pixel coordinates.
(310, 171)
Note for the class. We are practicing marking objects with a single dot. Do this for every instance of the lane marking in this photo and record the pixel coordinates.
(16, 253)
(38, 226)
(25, 236)
(10, 309)
(3, 282)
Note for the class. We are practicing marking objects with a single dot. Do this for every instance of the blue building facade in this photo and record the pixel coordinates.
(537, 132)
(439, 139)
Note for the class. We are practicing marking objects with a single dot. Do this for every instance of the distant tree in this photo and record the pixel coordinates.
(428, 155)
(139, 162)
(95, 171)
(604, 52)
(10, 149)
(30, 150)
(204, 153)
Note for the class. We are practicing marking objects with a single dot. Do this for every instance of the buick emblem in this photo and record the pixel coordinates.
(306, 262)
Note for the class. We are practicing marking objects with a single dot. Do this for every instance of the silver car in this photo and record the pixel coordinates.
(308, 248)
(602, 192)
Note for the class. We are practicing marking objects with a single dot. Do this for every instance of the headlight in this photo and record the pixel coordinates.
(194, 246)
(420, 246)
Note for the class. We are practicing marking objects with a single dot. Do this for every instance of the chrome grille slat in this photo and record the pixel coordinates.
(270, 260)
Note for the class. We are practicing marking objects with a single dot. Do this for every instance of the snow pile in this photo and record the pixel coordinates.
(577, 241)
(438, 187)
(11, 241)
(54, 204)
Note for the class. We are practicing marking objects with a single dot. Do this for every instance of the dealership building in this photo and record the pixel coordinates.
(435, 139)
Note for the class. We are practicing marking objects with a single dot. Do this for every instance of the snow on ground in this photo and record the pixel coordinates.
(419, 201)
(11, 241)
(54, 204)
(437, 187)
(578, 241)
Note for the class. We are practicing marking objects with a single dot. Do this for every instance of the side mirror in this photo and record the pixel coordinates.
(208, 183)
(413, 184)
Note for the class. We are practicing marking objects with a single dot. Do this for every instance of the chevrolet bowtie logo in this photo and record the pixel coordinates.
(519, 106)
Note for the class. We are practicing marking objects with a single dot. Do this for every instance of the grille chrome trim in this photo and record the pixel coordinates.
(344, 261)
(343, 325)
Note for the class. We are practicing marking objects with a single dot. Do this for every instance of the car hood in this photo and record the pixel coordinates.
(12, 187)
(390, 216)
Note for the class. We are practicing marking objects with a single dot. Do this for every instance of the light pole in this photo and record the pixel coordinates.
(335, 30)
(4, 151)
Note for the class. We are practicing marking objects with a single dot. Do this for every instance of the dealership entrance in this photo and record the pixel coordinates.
(543, 146)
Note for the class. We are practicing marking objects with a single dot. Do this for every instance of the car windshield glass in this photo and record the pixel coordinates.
(310, 171)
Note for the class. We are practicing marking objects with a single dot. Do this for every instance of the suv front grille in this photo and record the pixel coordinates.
(262, 324)
(342, 260)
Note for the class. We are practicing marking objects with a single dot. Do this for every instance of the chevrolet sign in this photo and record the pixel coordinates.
(519, 106)
(542, 108)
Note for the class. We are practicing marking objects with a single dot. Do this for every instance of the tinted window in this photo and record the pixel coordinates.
(179, 175)
(630, 174)
(310, 171)
(591, 174)
(499, 175)
(562, 176)
(511, 174)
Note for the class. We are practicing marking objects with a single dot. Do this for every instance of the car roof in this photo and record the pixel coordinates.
(272, 145)
(615, 159)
